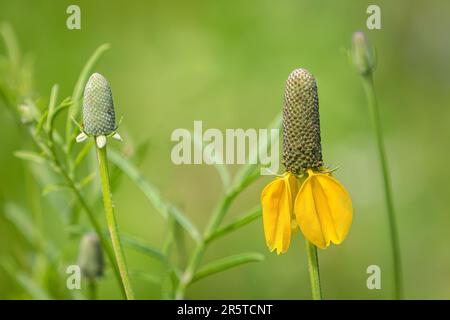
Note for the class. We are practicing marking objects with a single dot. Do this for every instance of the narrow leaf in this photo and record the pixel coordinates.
(238, 223)
(226, 263)
(11, 45)
(32, 287)
(86, 180)
(25, 281)
(52, 106)
(83, 152)
(153, 195)
(78, 90)
(57, 111)
(30, 156)
(54, 188)
(146, 277)
(138, 245)
(41, 123)
(21, 221)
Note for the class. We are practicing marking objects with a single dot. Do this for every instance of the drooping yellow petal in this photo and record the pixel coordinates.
(277, 206)
(323, 210)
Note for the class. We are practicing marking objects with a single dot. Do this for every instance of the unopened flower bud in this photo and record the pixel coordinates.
(98, 108)
(362, 53)
(26, 113)
(90, 257)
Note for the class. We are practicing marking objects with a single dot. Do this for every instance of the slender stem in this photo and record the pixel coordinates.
(373, 106)
(313, 268)
(89, 212)
(219, 213)
(188, 274)
(199, 251)
(215, 220)
(92, 290)
(112, 223)
(98, 231)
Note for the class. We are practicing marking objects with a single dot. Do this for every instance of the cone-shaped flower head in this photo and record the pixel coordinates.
(90, 257)
(301, 124)
(98, 107)
(99, 118)
(306, 197)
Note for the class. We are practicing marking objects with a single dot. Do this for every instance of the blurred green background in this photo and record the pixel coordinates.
(225, 62)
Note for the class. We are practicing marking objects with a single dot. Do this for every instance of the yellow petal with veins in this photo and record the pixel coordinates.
(277, 205)
(323, 210)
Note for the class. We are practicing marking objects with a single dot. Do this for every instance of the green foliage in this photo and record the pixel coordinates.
(68, 176)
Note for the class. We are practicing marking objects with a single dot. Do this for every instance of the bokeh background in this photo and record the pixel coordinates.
(225, 62)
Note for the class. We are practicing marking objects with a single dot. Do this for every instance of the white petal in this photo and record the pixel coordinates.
(81, 137)
(101, 141)
(117, 136)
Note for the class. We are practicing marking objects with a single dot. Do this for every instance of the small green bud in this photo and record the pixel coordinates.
(98, 108)
(90, 257)
(26, 113)
(362, 53)
(302, 149)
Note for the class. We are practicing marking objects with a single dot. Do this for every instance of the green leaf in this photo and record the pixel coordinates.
(138, 245)
(226, 263)
(50, 188)
(79, 86)
(30, 156)
(41, 123)
(153, 195)
(238, 223)
(32, 287)
(146, 277)
(22, 221)
(63, 106)
(83, 152)
(52, 107)
(86, 180)
(12, 47)
(26, 282)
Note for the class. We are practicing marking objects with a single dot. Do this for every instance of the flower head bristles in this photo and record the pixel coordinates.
(307, 196)
(301, 124)
(99, 119)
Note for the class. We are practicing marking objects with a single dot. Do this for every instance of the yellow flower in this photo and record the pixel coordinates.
(323, 209)
(320, 207)
(307, 196)
(278, 206)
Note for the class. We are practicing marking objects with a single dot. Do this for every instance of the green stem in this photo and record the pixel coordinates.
(91, 216)
(112, 223)
(242, 181)
(92, 290)
(188, 274)
(199, 251)
(313, 268)
(373, 106)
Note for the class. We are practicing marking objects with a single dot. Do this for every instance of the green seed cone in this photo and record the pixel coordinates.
(90, 257)
(98, 107)
(301, 125)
